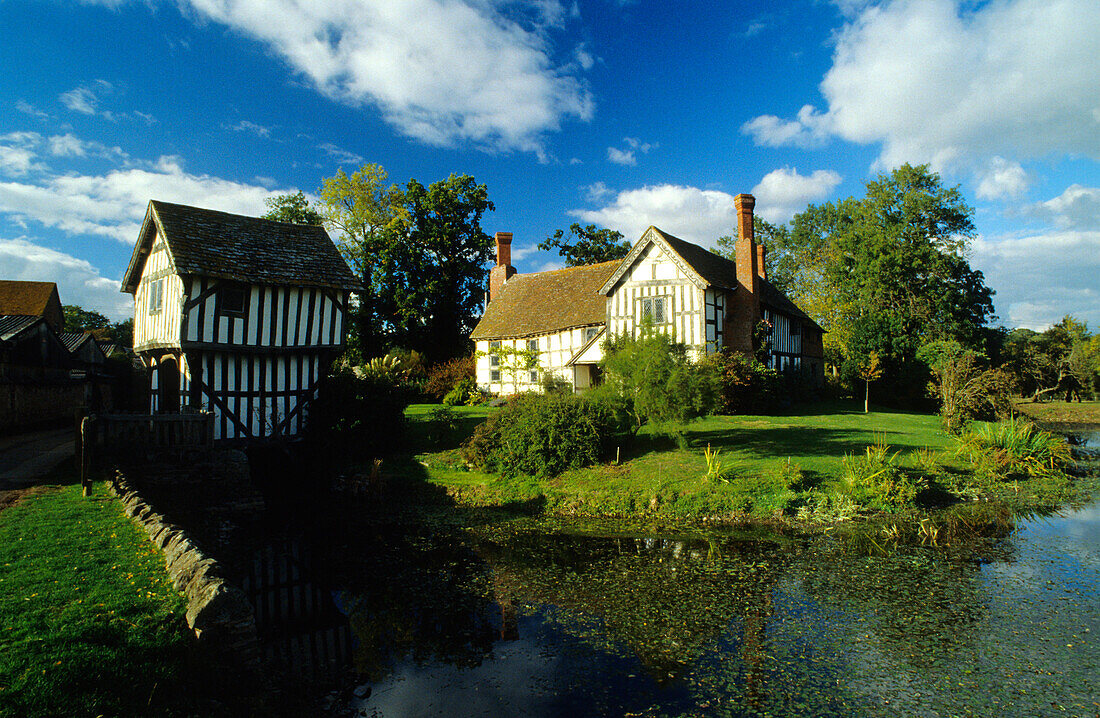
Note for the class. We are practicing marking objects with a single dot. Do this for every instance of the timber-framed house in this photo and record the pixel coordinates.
(236, 315)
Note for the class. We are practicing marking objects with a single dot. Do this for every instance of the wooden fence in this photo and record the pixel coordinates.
(103, 435)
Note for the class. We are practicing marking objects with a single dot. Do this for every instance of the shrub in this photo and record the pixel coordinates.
(542, 435)
(875, 480)
(1014, 446)
(458, 395)
(651, 380)
(357, 417)
(745, 385)
(963, 389)
(443, 377)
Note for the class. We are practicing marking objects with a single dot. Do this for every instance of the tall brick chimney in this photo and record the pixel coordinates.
(745, 249)
(761, 272)
(745, 303)
(503, 271)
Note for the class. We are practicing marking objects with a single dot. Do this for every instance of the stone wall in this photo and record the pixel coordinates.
(218, 612)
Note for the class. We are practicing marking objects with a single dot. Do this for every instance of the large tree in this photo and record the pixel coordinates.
(586, 245)
(364, 211)
(292, 208)
(420, 253)
(887, 273)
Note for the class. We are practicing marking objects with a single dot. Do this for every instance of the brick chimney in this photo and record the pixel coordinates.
(503, 271)
(745, 302)
(745, 249)
(760, 270)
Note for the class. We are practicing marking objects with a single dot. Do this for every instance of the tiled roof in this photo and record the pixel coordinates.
(25, 298)
(73, 340)
(545, 302)
(13, 324)
(247, 249)
(718, 271)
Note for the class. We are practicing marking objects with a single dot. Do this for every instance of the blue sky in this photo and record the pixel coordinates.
(622, 113)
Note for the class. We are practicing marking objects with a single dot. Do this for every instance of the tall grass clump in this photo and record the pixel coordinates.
(1014, 446)
(875, 479)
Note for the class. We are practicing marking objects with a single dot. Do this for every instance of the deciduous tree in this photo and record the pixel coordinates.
(586, 245)
(292, 208)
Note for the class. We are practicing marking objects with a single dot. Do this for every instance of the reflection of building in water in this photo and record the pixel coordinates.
(669, 600)
(302, 628)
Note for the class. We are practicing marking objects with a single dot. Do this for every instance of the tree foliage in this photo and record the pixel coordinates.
(292, 208)
(1063, 360)
(420, 253)
(652, 380)
(964, 385)
(886, 273)
(586, 245)
(79, 319)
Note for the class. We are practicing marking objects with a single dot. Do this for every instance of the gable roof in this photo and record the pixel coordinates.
(26, 298)
(232, 246)
(544, 302)
(12, 325)
(706, 269)
(73, 340)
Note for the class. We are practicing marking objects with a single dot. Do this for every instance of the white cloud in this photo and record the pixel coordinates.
(629, 157)
(69, 145)
(1076, 208)
(28, 109)
(1042, 277)
(621, 157)
(441, 71)
(340, 154)
(78, 282)
(597, 192)
(1002, 179)
(697, 215)
(85, 99)
(113, 204)
(956, 86)
(809, 130)
(252, 127)
(18, 153)
(783, 192)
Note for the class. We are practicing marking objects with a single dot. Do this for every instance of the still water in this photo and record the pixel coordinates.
(520, 617)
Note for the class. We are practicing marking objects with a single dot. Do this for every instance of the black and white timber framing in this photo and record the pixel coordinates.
(236, 315)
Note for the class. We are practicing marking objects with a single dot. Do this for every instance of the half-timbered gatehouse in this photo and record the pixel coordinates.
(236, 315)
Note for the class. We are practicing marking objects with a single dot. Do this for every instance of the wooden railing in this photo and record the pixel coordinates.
(104, 435)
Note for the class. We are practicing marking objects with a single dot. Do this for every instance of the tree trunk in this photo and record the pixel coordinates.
(867, 398)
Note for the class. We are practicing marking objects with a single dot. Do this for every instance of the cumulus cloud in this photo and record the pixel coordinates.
(69, 145)
(1016, 266)
(1076, 208)
(78, 282)
(783, 192)
(1002, 179)
(956, 84)
(113, 204)
(697, 215)
(440, 71)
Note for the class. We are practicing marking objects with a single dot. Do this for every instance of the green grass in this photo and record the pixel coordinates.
(89, 622)
(766, 462)
(1061, 412)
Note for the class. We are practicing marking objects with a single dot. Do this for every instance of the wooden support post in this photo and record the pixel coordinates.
(87, 441)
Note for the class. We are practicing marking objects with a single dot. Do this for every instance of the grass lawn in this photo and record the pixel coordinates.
(654, 472)
(1059, 413)
(89, 622)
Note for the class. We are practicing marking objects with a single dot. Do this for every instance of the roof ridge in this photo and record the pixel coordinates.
(231, 214)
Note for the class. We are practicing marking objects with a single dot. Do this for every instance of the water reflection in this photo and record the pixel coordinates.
(509, 619)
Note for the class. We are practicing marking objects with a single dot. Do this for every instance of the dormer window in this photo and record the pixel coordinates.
(232, 299)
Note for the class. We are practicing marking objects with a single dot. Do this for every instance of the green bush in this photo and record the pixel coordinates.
(443, 377)
(652, 380)
(542, 435)
(1014, 446)
(461, 391)
(358, 416)
(745, 385)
